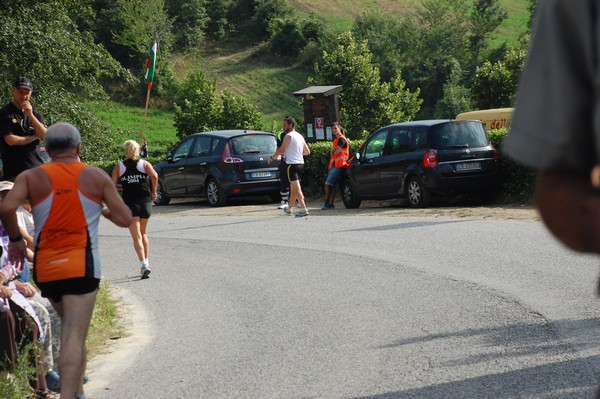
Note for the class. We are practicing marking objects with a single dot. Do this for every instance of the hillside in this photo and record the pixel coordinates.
(245, 72)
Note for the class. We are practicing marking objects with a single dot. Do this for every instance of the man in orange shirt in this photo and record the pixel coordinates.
(67, 198)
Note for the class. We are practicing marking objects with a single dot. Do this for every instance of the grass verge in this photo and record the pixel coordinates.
(106, 324)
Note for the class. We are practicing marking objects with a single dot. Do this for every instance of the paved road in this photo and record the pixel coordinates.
(268, 306)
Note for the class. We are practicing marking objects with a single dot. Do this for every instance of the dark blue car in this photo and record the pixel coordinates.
(420, 159)
(218, 165)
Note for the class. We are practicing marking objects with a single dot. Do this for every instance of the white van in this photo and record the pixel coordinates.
(496, 118)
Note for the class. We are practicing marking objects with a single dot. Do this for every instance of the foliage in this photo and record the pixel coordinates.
(128, 28)
(216, 23)
(428, 45)
(264, 13)
(518, 181)
(495, 84)
(17, 387)
(199, 110)
(236, 113)
(287, 39)
(189, 18)
(315, 167)
(40, 40)
(365, 102)
(455, 99)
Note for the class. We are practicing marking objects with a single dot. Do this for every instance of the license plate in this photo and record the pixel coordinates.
(467, 166)
(256, 175)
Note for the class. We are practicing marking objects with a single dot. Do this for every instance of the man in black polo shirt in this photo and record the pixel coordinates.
(21, 128)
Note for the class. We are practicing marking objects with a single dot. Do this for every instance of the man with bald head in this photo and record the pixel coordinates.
(67, 199)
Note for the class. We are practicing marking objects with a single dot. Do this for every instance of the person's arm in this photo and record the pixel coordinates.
(305, 150)
(12, 139)
(570, 207)
(38, 126)
(116, 211)
(286, 141)
(115, 175)
(153, 178)
(17, 249)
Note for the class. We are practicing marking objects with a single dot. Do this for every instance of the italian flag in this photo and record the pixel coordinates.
(150, 65)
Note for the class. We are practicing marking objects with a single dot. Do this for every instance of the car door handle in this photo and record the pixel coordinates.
(203, 164)
(182, 168)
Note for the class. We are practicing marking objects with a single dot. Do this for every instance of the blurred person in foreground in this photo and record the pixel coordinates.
(67, 198)
(139, 182)
(556, 124)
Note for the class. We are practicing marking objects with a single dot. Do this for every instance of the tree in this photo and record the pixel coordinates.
(39, 39)
(189, 21)
(495, 84)
(485, 17)
(198, 108)
(365, 102)
(128, 28)
(287, 39)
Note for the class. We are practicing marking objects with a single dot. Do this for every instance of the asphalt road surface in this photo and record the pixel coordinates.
(255, 304)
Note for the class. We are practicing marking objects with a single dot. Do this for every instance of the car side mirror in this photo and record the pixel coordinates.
(357, 156)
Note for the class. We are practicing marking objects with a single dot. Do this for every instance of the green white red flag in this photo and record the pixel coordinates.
(150, 65)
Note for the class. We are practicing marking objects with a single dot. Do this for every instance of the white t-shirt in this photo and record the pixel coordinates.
(293, 152)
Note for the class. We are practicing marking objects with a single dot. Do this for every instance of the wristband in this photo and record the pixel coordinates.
(16, 239)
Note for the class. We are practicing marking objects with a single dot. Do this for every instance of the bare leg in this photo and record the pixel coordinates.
(136, 235)
(145, 241)
(296, 193)
(76, 313)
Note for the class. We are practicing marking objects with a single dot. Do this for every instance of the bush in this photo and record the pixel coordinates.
(517, 181)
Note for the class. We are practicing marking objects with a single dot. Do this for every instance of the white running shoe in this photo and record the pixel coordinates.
(282, 205)
(145, 272)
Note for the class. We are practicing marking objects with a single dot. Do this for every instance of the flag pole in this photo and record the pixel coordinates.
(146, 110)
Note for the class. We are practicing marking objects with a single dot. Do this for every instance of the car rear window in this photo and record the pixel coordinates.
(254, 144)
(459, 135)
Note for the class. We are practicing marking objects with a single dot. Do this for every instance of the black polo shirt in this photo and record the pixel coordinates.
(17, 158)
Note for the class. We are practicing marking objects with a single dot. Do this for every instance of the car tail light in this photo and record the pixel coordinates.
(430, 159)
(228, 158)
(495, 154)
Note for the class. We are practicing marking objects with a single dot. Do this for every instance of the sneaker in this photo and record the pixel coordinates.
(145, 272)
(302, 213)
(287, 210)
(328, 206)
(53, 381)
(282, 205)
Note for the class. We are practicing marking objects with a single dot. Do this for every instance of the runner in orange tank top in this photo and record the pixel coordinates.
(67, 198)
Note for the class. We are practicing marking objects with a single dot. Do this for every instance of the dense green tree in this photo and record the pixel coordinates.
(287, 39)
(40, 39)
(485, 17)
(365, 102)
(198, 109)
(128, 28)
(237, 113)
(189, 19)
(495, 84)
(217, 23)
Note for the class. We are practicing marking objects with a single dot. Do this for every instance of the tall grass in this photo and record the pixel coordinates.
(159, 130)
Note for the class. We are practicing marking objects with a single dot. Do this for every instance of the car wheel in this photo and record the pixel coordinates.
(161, 197)
(418, 195)
(349, 195)
(215, 194)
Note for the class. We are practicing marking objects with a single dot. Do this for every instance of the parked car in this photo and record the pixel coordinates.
(219, 165)
(422, 158)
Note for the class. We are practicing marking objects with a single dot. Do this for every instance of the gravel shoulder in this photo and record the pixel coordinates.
(392, 208)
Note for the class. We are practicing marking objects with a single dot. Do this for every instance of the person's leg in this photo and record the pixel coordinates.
(145, 241)
(136, 235)
(76, 314)
(27, 333)
(297, 193)
(8, 351)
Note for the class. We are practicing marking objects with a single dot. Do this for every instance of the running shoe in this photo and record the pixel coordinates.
(302, 213)
(145, 272)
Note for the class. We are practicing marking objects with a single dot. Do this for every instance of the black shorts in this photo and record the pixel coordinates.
(140, 209)
(54, 290)
(294, 172)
